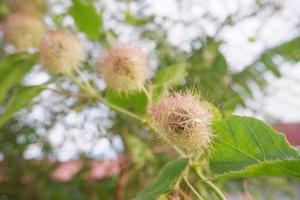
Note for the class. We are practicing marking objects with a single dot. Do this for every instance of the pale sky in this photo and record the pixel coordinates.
(282, 100)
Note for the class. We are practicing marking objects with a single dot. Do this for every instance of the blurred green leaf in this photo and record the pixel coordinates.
(245, 143)
(4, 9)
(167, 78)
(165, 179)
(255, 72)
(267, 60)
(244, 84)
(208, 72)
(136, 102)
(289, 50)
(13, 68)
(86, 18)
(170, 76)
(139, 151)
(134, 21)
(20, 99)
(106, 188)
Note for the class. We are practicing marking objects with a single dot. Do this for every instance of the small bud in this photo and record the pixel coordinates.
(185, 121)
(61, 52)
(23, 30)
(34, 7)
(124, 68)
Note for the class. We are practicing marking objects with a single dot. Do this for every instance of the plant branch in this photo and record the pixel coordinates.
(84, 79)
(192, 188)
(210, 184)
(147, 94)
(90, 90)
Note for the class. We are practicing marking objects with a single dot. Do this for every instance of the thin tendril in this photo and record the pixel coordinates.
(193, 189)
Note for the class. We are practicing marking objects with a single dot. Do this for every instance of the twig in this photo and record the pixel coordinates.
(193, 189)
(212, 186)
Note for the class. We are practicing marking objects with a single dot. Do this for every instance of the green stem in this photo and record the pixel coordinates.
(210, 184)
(85, 81)
(193, 189)
(121, 110)
(147, 95)
(74, 80)
(177, 183)
(90, 90)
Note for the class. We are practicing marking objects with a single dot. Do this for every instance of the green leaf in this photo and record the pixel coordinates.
(165, 179)
(20, 99)
(242, 142)
(13, 68)
(141, 154)
(86, 18)
(135, 101)
(289, 168)
(245, 86)
(267, 60)
(134, 21)
(167, 78)
(289, 50)
(171, 76)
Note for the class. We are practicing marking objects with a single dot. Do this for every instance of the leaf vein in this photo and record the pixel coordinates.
(239, 150)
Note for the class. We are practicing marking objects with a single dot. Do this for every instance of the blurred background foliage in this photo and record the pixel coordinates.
(199, 64)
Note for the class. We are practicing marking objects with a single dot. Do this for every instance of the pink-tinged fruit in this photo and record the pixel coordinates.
(23, 30)
(184, 120)
(61, 52)
(124, 68)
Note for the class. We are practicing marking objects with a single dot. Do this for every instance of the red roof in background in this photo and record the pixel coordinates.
(99, 169)
(292, 132)
(65, 171)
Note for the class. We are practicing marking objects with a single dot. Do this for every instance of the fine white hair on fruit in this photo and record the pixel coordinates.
(184, 120)
(124, 67)
(23, 30)
(61, 52)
